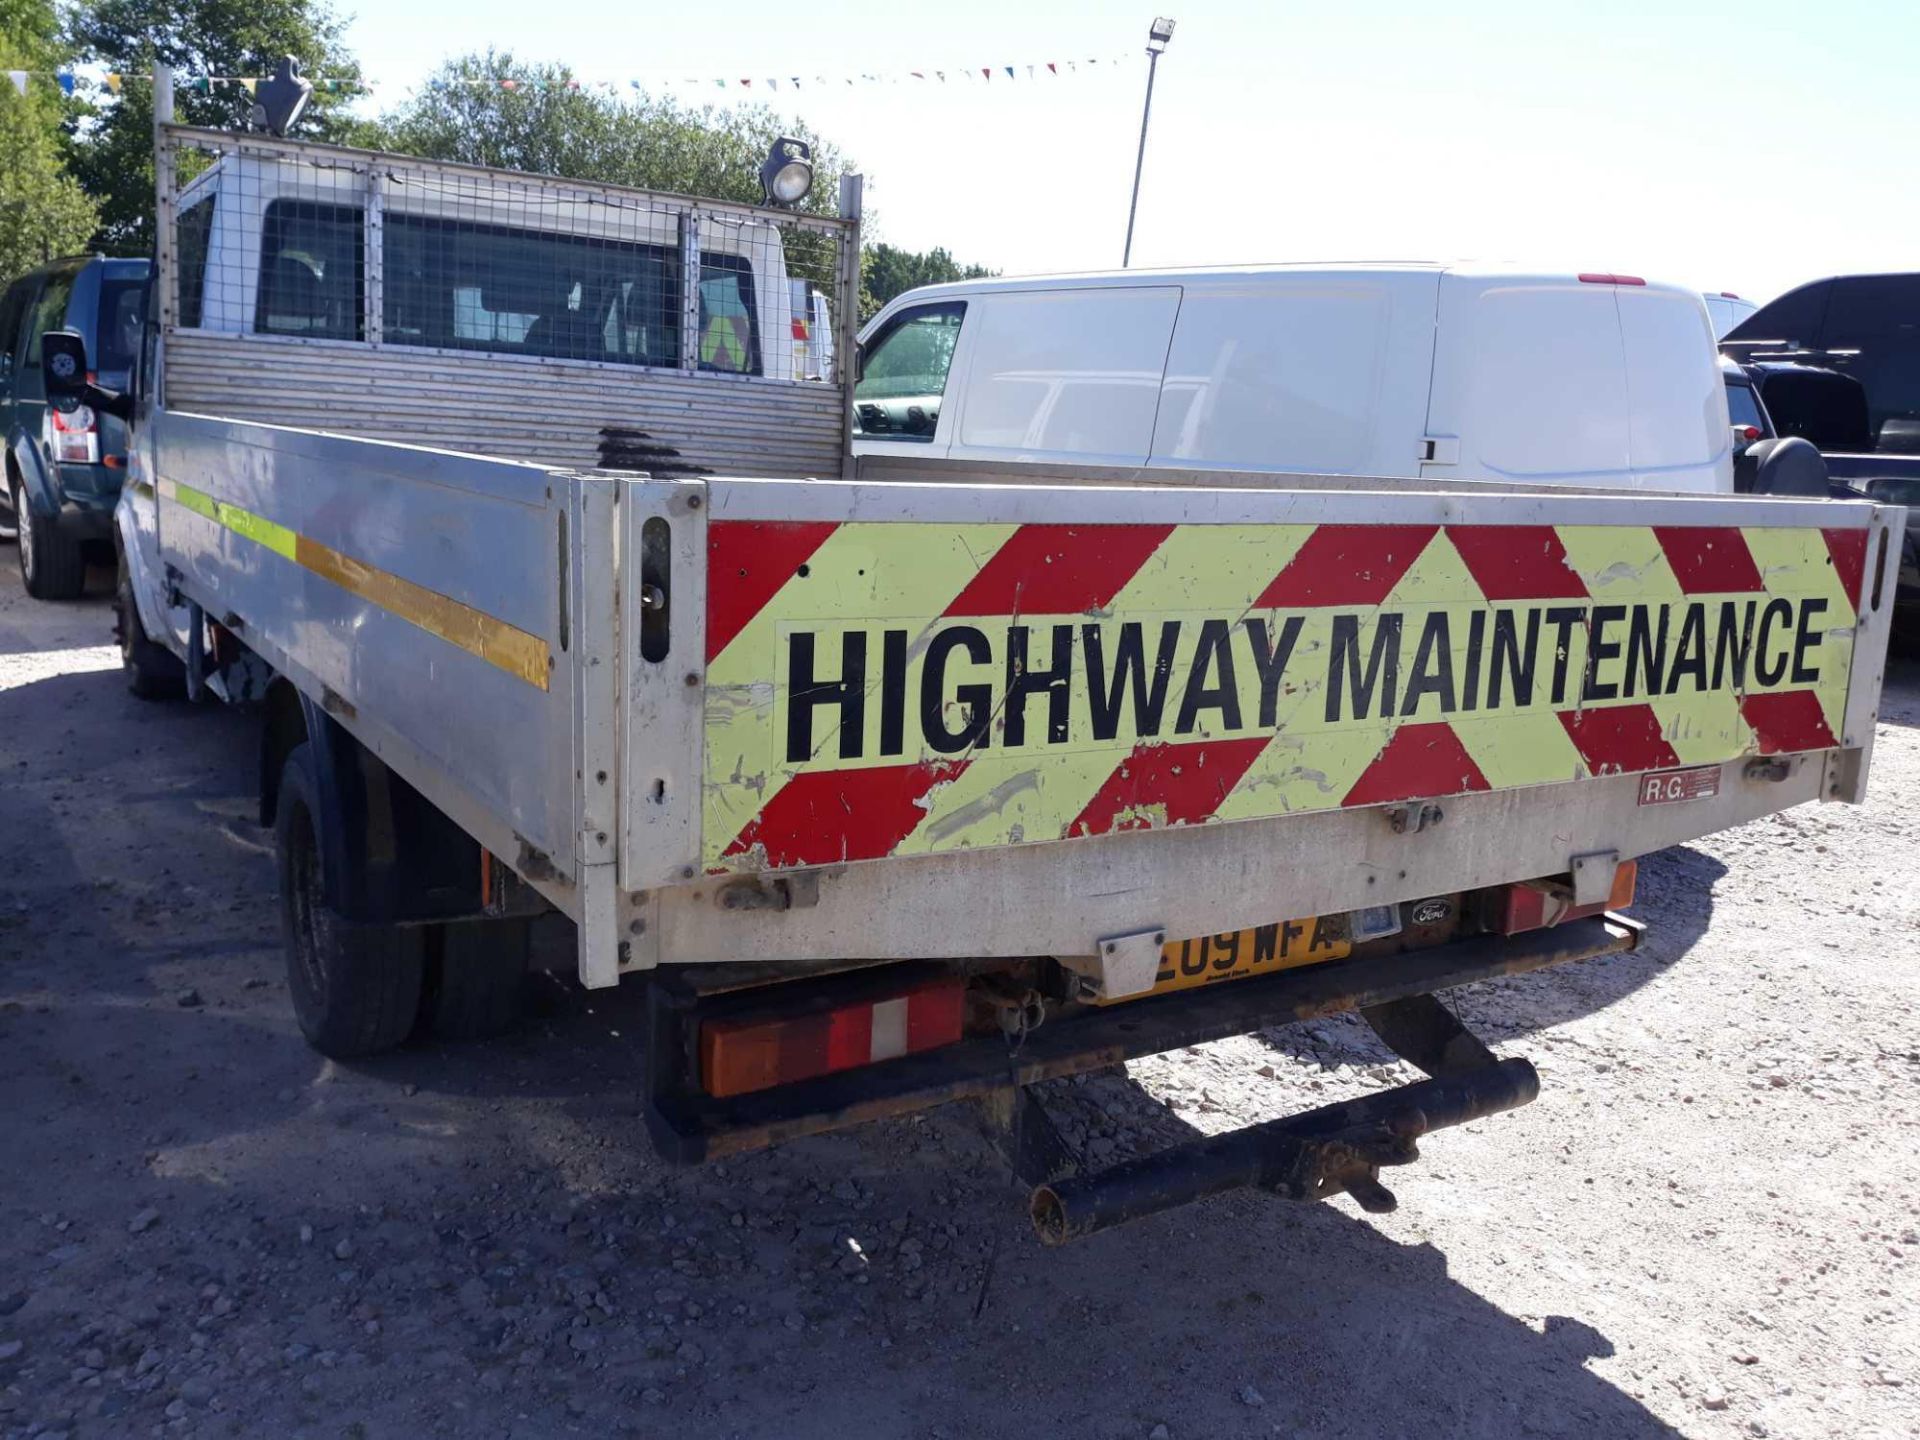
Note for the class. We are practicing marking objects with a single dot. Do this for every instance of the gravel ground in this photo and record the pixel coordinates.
(1709, 1224)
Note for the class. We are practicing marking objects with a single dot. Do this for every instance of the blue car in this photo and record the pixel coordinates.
(63, 472)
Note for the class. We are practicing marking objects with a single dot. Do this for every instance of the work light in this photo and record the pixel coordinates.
(787, 174)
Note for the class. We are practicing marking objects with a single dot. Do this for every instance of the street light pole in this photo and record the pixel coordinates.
(1158, 34)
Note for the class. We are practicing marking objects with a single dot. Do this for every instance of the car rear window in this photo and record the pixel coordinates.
(1742, 409)
(117, 329)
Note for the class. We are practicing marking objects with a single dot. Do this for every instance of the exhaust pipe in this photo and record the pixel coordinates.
(1309, 1156)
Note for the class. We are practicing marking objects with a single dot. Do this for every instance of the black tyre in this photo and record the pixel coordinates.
(51, 563)
(153, 672)
(356, 988)
(475, 976)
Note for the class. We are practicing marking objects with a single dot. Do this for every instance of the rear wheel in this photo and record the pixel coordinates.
(51, 564)
(153, 672)
(474, 977)
(356, 988)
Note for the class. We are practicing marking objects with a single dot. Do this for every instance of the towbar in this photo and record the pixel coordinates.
(1309, 1156)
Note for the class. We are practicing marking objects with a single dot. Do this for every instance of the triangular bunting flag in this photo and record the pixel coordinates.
(65, 77)
(113, 81)
(19, 79)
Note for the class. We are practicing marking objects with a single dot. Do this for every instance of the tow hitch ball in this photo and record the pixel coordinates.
(1309, 1156)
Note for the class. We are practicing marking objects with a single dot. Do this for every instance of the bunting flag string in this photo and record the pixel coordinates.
(110, 82)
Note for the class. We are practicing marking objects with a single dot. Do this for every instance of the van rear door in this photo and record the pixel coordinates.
(1678, 434)
(1528, 383)
(1557, 380)
(1071, 374)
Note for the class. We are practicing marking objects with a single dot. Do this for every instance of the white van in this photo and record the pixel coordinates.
(1726, 310)
(1397, 370)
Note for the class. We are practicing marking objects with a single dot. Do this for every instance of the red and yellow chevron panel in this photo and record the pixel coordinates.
(902, 688)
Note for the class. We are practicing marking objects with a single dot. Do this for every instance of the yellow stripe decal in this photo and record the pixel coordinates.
(504, 646)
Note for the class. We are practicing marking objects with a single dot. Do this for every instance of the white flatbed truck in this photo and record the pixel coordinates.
(900, 791)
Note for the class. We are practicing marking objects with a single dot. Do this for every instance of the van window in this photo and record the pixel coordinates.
(903, 373)
(312, 275)
(49, 313)
(1276, 374)
(193, 236)
(1675, 397)
(1069, 371)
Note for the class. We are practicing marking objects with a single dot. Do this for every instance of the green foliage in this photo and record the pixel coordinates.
(634, 139)
(111, 149)
(886, 272)
(43, 211)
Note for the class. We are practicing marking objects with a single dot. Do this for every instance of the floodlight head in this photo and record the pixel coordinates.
(278, 102)
(1158, 34)
(787, 173)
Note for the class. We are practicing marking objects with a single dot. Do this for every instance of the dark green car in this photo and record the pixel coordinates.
(63, 472)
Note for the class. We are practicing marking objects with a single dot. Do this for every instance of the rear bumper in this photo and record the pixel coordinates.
(89, 489)
(687, 1125)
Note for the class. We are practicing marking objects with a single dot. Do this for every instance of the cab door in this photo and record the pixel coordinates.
(907, 372)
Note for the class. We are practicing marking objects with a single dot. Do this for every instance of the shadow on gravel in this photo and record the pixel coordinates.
(1332, 1328)
(1674, 896)
(1900, 702)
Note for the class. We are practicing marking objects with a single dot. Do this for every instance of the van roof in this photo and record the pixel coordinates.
(1218, 274)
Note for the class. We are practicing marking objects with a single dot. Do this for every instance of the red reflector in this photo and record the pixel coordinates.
(756, 1052)
(1750, 432)
(1598, 277)
(1541, 904)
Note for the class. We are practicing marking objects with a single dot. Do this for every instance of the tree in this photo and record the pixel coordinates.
(549, 124)
(43, 211)
(886, 272)
(111, 148)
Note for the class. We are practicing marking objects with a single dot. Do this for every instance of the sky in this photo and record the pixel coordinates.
(1738, 147)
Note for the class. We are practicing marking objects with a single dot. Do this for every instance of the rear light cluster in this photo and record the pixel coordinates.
(74, 438)
(1749, 432)
(777, 1047)
(1541, 904)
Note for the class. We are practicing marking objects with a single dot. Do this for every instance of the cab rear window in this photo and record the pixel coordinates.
(312, 279)
(455, 285)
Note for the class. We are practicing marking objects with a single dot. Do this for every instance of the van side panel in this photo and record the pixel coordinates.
(1677, 428)
(1311, 373)
(1070, 374)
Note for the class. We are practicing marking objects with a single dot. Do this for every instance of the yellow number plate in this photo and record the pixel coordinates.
(1286, 945)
